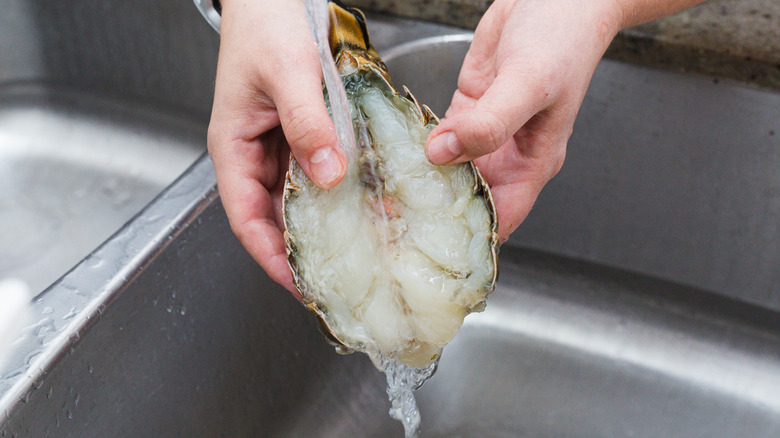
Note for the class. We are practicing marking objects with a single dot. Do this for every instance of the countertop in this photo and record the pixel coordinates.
(730, 39)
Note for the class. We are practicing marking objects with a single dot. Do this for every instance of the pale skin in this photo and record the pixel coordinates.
(519, 90)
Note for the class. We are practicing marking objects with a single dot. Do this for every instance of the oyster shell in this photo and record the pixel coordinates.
(393, 258)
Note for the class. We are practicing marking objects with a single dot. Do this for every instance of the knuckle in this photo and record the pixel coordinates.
(556, 163)
(492, 131)
(551, 161)
(237, 230)
(242, 231)
(545, 157)
(302, 128)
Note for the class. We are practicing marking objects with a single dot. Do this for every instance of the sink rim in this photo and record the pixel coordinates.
(411, 46)
(99, 282)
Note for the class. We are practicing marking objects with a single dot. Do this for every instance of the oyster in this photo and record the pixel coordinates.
(393, 258)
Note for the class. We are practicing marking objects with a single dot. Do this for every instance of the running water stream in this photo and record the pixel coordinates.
(317, 16)
(402, 380)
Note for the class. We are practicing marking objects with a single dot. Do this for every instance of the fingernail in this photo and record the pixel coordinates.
(325, 166)
(444, 149)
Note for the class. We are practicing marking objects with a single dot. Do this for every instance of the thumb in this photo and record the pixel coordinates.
(308, 128)
(470, 131)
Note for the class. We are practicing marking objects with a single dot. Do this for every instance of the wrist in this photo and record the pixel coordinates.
(605, 20)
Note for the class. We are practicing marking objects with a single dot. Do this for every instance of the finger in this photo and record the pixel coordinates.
(251, 210)
(508, 104)
(517, 175)
(265, 243)
(514, 196)
(513, 204)
(308, 127)
(285, 67)
(479, 65)
(296, 89)
(258, 232)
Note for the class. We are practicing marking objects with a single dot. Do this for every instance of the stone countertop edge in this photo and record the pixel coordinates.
(738, 40)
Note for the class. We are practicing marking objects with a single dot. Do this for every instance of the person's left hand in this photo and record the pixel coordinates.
(519, 91)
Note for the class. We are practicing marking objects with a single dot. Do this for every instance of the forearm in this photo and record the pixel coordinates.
(635, 12)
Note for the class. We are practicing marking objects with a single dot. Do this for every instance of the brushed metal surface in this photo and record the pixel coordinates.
(169, 328)
(74, 168)
(201, 343)
(162, 53)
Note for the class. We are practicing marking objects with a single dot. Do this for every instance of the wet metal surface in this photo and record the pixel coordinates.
(73, 169)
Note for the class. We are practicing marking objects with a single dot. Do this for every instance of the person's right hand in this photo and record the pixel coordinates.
(268, 100)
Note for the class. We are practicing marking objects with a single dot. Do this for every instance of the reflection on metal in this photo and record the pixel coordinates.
(75, 168)
(209, 12)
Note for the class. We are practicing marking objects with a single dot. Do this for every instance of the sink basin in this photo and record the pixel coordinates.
(92, 127)
(638, 300)
(76, 167)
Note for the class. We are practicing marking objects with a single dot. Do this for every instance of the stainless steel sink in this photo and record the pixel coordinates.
(75, 168)
(98, 114)
(640, 298)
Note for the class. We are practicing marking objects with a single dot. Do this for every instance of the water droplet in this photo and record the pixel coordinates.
(94, 261)
(47, 310)
(44, 326)
(14, 373)
(49, 392)
(76, 400)
(73, 312)
(30, 356)
(68, 414)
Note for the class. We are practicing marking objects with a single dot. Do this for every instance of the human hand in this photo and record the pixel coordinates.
(521, 85)
(519, 91)
(268, 100)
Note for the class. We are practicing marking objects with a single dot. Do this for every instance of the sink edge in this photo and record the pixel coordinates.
(132, 248)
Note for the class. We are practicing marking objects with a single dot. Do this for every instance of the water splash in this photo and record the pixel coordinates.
(402, 381)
